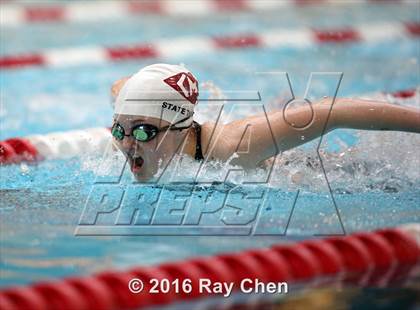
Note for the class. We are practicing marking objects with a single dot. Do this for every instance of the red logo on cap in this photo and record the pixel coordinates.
(185, 84)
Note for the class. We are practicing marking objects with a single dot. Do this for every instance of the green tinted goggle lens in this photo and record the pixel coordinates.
(118, 132)
(141, 135)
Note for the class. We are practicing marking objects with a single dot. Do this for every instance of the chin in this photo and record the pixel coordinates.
(141, 177)
(146, 172)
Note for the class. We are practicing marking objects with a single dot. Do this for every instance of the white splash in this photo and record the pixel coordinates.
(385, 161)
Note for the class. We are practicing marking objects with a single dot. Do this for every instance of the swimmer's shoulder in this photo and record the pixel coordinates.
(215, 140)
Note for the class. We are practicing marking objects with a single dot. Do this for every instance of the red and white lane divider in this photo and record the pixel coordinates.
(380, 258)
(77, 11)
(56, 145)
(66, 144)
(294, 38)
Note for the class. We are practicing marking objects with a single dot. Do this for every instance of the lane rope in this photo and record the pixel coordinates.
(57, 145)
(385, 257)
(162, 49)
(12, 14)
(67, 144)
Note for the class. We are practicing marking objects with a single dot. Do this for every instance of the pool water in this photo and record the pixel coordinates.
(374, 176)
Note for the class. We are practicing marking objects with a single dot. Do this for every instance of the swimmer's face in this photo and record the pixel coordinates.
(145, 158)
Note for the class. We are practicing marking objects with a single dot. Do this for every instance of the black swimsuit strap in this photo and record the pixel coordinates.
(198, 151)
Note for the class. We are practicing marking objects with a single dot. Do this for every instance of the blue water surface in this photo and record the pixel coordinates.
(41, 204)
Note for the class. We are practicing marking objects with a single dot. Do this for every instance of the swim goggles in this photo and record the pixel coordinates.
(144, 132)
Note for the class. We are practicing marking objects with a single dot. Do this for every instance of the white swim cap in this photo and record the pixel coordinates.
(167, 92)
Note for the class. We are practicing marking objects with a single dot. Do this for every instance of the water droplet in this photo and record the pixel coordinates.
(24, 169)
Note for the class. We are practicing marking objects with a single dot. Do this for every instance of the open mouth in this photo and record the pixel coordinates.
(136, 163)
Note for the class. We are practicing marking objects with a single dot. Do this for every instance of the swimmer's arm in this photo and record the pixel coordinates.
(287, 131)
(373, 115)
(116, 87)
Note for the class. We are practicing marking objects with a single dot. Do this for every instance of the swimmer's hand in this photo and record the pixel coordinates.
(116, 87)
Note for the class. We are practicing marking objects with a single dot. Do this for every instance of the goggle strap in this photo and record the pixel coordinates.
(171, 127)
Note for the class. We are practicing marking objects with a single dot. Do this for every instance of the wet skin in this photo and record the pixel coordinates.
(262, 136)
(145, 158)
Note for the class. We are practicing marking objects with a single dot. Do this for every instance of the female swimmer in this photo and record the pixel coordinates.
(153, 120)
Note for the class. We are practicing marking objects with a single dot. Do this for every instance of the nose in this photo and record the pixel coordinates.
(126, 145)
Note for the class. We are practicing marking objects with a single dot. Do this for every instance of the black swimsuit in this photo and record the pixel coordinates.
(198, 151)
